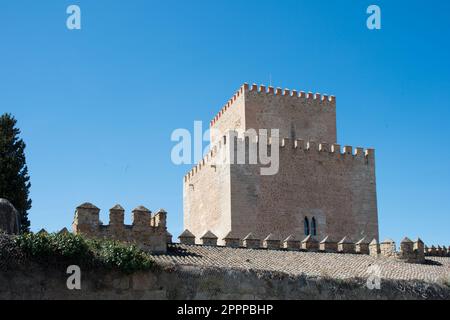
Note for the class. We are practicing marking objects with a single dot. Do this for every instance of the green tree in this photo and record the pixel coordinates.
(14, 179)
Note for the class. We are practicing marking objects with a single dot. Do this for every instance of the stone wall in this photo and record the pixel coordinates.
(184, 282)
(147, 231)
(317, 181)
(334, 187)
(298, 115)
(230, 117)
(207, 196)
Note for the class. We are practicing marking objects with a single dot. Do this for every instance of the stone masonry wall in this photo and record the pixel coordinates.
(195, 283)
(298, 115)
(206, 197)
(231, 117)
(337, 189)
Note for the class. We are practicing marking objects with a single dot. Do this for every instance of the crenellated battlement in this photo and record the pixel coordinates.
(437, 251)
(262, 89)
(278, 92)
(229, 104)
(208, 159)
(409, 251)
(217, 154)
(333, 149)
(147, 231)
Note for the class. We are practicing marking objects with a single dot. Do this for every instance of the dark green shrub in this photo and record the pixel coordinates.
(129, 259)
(35, 244)
(51, 248)
(69, 245)
(11, 257)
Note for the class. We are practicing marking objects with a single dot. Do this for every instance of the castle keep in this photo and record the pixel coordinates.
(320, 189)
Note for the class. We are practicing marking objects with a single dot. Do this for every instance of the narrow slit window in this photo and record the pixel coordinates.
(307, 231)
(313, 227)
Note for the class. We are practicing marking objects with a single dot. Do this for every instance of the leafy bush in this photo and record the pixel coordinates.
(129, 259)
(69, 245)
(45, 246)
(75, 248)
(10, 255)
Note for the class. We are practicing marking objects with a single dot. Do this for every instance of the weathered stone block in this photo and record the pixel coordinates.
(291, 243)
(328, 245)
(407, 250)
(346, 245)
(419, 250)
(252, 242)
(117, 216)
(374, 248)
(160, 218)
(87, 220)
(209, 239)
(271, 242)
(9, 218)
(310, 244)
(230, 240)
(187, 238)
(362, 246)
(141, 217)
(388, 248)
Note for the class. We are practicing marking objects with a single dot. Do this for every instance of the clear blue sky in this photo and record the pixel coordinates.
(97, 106)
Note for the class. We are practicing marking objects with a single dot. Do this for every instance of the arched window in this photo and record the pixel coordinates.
(313, 227)
(306, 226)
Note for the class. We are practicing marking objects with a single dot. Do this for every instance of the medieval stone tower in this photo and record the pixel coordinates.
(320, 188)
